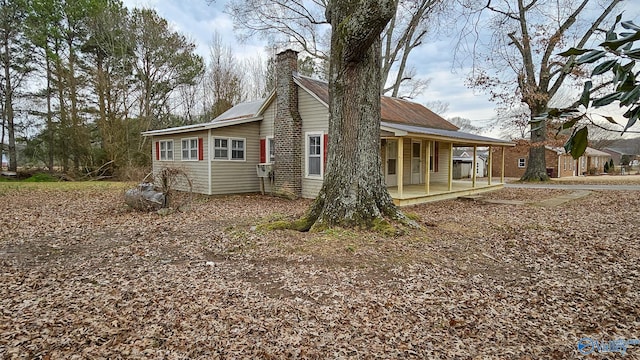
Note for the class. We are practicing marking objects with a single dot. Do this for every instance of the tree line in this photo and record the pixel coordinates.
(81, 79)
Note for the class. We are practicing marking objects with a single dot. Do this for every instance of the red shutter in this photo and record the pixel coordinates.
(157, 150)
(436, 150)
(263, 150)
(200, 149)
(326, 148)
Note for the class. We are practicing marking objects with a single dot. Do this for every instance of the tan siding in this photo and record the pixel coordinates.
(444, 154)
(228, 177)
(197, 171)
(266, 125)
(315, 118)
(406, 161)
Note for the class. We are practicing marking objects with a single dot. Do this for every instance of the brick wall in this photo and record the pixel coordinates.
(521, 151)
(287, 128)
(511, 157)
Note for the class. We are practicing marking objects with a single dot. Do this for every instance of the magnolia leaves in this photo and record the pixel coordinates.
(617, 57)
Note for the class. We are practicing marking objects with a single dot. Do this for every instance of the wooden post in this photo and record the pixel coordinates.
(400, 166)
(427, 173)
(473, 166)
(490, 165)
(450, 166)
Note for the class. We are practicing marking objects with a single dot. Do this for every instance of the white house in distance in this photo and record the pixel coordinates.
(288, 134)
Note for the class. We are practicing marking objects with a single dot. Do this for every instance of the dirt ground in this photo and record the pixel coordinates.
(82, 276)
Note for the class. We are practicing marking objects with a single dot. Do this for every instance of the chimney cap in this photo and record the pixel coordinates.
(284, 52)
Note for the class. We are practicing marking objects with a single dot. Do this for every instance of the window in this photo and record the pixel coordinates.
(314, 155)
(190, 149)
(521, 162)
(228, 149)
(166, 150)
(432, 155)
(271, 150)
(237, 149)
(220, 149)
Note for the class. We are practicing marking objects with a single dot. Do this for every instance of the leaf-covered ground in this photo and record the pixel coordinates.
(82, 276)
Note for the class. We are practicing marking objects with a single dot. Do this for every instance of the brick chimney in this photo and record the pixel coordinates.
(287, 128)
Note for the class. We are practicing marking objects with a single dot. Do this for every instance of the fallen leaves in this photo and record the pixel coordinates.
(81, 276)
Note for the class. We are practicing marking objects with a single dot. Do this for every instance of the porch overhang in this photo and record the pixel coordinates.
(457, 138)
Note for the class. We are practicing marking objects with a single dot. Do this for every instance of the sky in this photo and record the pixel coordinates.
(199, 19)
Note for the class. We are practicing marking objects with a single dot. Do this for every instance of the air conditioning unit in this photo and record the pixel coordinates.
(263, 170)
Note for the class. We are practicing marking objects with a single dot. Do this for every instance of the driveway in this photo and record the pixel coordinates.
(574, 186)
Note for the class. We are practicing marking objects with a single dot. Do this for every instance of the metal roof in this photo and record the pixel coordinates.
(241, 111)
(239, 114)
(199, 127)
(459, 138)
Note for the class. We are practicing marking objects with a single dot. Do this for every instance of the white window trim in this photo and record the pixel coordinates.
(173, 150)
(524, 162)
(307, 135)
(229, 148)
(213, 152)
(244, 149)
(182, 148)
(267, 151)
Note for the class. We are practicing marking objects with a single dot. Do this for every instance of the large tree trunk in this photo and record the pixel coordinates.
(8, 106)
(537, 164)
(354, 193)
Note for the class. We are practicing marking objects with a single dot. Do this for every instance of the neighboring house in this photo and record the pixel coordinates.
(463, 163)
(288, 134)
(559, 163)
(624, 151)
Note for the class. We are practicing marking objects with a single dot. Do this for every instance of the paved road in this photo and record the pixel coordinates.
(574, 186)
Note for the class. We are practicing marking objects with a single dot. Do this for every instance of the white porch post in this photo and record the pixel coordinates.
(399, 166)
(490, 165)
(450, 166)
(427, 173)
(473, 166)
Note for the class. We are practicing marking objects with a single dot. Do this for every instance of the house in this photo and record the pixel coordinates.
(624, 151)
(559, 163)
(463, 163)
(287, 133)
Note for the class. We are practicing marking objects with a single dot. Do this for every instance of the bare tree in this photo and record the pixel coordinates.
(464, 124)
(255, 73)
(519, 63)
(223, 77)
(302, 25)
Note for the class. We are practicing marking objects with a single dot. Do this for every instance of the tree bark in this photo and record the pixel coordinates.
(354, 193)
(537, 166)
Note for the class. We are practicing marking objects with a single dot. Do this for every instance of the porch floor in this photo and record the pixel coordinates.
(416, 194)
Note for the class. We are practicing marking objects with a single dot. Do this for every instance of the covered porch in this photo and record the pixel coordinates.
(416, 193)
(419, 162)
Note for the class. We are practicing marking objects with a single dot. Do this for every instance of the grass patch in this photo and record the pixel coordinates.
(41, 177)
(65, 185)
